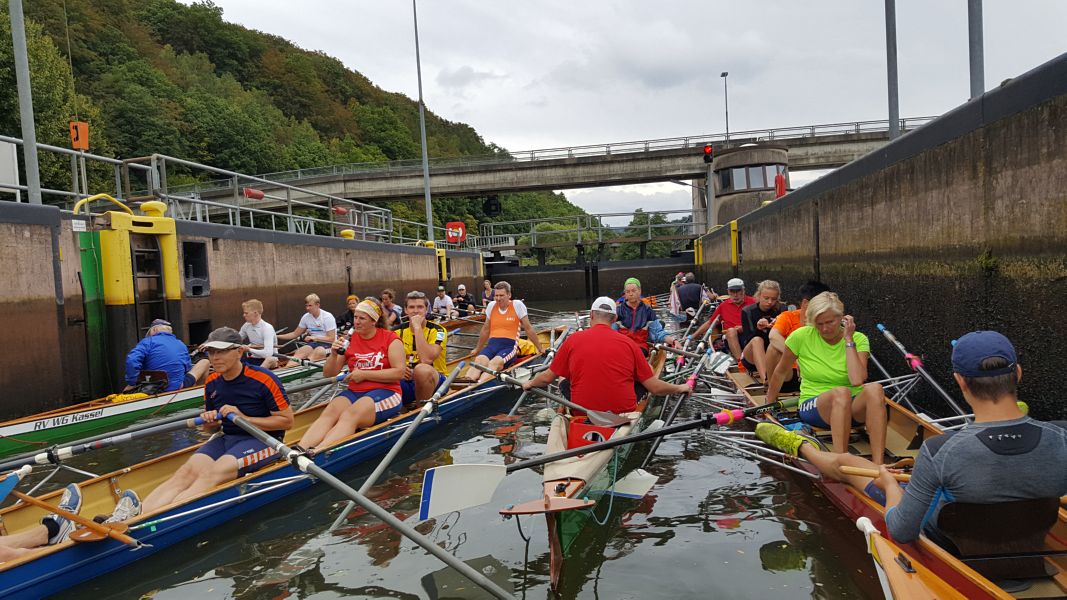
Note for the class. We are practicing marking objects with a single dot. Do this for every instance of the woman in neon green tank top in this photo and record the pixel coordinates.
(833, 367)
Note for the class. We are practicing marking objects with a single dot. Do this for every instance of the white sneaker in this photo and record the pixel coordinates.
(128, 507)
(71, 501)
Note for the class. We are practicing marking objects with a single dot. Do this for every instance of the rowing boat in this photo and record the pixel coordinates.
(572, 486)
(905, 434)
(36, 431)
(51, 569)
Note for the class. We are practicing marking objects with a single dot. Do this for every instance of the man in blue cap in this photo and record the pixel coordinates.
(1003, 455)
(161, 352)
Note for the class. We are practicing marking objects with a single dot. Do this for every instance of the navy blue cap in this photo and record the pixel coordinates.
(977, 346)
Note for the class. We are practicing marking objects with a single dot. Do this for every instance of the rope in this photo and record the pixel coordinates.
(518, 522)
(611, 492)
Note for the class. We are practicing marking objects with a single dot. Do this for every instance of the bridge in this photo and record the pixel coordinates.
(810, 147)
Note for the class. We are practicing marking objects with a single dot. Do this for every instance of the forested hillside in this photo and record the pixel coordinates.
(156, 76)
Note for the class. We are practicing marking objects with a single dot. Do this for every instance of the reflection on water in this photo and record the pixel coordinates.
(716, 525)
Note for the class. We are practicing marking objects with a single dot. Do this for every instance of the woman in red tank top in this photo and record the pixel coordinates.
(375, 360)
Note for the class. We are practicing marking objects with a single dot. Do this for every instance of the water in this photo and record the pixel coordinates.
(715, 525)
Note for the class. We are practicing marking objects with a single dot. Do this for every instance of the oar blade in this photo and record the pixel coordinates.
(12, 480)
(456, 487)
(635, 485)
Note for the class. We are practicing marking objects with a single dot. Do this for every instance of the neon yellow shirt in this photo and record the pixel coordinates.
(434, 334)
(822, 366)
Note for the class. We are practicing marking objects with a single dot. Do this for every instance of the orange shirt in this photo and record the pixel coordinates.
(787, 322)
(505, 324)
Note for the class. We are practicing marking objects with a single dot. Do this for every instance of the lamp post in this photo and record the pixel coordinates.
(726, 97)
(422, 132)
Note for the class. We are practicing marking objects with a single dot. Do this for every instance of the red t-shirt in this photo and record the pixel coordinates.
(371, 355)
(730, 312)
(602, 366)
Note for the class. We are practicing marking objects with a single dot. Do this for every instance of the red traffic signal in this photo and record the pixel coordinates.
(709, 153)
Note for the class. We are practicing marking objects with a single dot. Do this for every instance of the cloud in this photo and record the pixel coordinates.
(464, 77)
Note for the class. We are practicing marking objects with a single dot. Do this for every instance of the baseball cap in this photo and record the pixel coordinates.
(440, 288)
(735, 284)
(223, 338)
(975, 347)
(603, 304)
(160, 322)
(461, 287)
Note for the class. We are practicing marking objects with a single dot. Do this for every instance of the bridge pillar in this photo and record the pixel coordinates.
(644, 247)
(580, 258)
(542, 256)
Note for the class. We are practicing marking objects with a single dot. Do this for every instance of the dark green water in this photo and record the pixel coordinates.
(716, 525)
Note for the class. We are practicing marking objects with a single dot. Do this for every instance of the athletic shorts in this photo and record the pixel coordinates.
(407, 388)
(323, 345)
(253, 360)
(387, 403)
(751, 368)
(875, 493)
(188, 380)
(809, 414)
(251, 454)
(504, 348)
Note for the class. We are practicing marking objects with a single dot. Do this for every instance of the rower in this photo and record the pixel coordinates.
(317, 328)
(54, 528)
(1002, 456)
(344, 321)
(443, 307)
(425, 344)
(161, 351)
(464, 302)
(602, 366)
(728, 314)
(487, 293)
(690, 296)
(786, 323)
(833, 360)
(637, 320)
(375, 360)
(253, 393)
(393, 312)
(498, 343)
(757, 320)
(258, 335)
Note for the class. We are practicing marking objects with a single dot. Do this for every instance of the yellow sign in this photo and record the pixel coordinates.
(79, 135)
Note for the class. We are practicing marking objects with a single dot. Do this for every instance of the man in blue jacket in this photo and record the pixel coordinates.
(161, 351)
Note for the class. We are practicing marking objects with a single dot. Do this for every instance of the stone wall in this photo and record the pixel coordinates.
(956, 226)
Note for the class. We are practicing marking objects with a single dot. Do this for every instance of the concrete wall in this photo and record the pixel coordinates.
(956, 226)
(567, 282)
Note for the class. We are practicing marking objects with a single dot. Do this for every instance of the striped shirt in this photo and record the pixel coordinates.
(256, 392)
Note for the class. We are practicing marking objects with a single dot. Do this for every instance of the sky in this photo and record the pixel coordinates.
(548, 74)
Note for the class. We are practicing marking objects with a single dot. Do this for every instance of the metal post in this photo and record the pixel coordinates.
(422, 131)
(709, 198)
(891, 67)
(976, 46)
(726, 99)
(22, 78)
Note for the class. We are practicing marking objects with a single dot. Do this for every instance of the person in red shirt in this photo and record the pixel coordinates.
(602, 366)
(729, 315)
(375, 359)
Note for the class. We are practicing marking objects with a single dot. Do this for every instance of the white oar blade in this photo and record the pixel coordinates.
(457, 487)
(635, 485)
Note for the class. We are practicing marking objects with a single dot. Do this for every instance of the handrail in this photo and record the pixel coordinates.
(84, 201)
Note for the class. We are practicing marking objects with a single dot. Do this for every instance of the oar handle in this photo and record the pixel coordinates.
(872, 473)
(447, 383)
(80, 520)
(729, 417)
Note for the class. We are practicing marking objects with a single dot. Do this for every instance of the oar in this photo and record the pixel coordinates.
(301, 361)
(693, 321)
(54, 455)
(8, 483)
(115, 531)
(691, 382)
(426, 410)
(457, 487)
(306, 465)
(872, 473)
(596, 417)
(544, 365)
(916, 365)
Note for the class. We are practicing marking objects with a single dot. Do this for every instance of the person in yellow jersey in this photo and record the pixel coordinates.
(425, 344)
(498, 342)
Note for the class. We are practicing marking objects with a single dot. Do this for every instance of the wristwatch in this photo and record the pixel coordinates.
(850, 344)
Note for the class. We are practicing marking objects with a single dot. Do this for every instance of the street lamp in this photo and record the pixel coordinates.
(422, 131)
(726, 97)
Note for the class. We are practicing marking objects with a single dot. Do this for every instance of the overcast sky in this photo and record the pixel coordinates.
(545, 74)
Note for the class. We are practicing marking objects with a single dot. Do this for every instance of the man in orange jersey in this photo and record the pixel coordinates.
(251, 392)
(498, 343)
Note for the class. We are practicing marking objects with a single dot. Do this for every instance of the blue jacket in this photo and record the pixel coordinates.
(159, 352)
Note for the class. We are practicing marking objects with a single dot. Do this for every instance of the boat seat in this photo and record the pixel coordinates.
(1004, 540)
(152, 382)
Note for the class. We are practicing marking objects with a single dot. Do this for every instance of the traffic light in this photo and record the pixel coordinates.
(709, 153)
(491, 207)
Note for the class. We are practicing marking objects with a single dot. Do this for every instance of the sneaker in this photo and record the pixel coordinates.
(71, 501)
(776, 436)
(128, 507)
